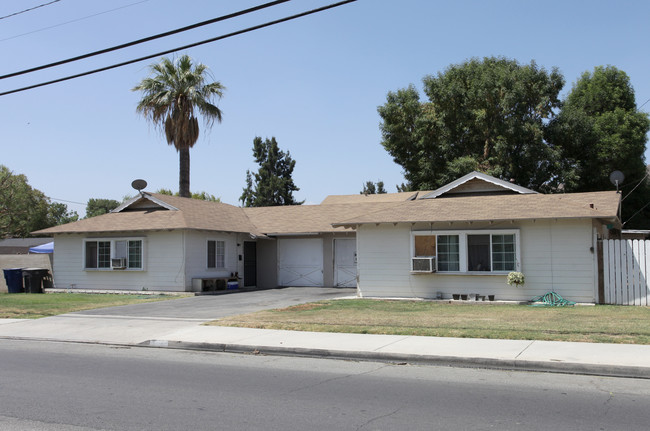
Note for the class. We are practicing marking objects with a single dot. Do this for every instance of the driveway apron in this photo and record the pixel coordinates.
(207, 307)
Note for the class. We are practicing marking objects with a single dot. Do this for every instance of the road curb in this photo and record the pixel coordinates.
(403, 358)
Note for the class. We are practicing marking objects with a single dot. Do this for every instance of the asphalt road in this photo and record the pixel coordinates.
(60, 386)
(216, 306)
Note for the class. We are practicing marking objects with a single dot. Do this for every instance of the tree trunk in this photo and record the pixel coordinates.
(184, 173)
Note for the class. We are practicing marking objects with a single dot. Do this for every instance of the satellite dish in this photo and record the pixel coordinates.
(139, 185)
(616, 178)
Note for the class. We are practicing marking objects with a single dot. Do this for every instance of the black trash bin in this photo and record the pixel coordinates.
(14, 279)
(33, 278)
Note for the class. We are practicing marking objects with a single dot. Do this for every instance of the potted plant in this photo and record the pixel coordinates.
(516, 278)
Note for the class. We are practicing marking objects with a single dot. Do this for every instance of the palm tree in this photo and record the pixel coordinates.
(171, 97)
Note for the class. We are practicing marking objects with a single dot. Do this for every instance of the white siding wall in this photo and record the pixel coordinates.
(554, 254)
(163, 261)
(197, 255)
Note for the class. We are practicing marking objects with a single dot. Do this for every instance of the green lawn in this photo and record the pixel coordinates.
(598, 324)
(33, 306)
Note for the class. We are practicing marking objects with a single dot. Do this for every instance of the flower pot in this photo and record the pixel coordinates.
(456, 296)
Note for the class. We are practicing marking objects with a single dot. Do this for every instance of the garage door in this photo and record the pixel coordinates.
(345, 262)
(300, 262)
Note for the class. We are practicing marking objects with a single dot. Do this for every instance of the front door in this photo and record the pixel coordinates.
(250, 264)
(345, 262)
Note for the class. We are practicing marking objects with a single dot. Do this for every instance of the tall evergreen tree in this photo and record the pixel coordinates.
(371, 188)
(272, 185)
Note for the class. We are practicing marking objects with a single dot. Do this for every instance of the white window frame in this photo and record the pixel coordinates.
(463, 252)
(113, 250)
(216, 254)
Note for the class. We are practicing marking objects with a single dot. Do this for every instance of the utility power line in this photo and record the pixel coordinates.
(146, 39)
(644, 103)
(30, 9)
(192, 45)
(70, 202)
(73, 20)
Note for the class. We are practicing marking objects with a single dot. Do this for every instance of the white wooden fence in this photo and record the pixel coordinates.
(626, 269)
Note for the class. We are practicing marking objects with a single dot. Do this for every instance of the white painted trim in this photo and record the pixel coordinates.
(112, 241)
(462, 246)
(145, 196)
(477, 175)
(216, 261)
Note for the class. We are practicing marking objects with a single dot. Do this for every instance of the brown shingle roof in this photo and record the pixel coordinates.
(192, 214)
(210, 216)
(373, 198)
(307, 218)
(487, 208)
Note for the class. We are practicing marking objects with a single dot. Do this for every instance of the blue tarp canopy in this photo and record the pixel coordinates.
(45, 248)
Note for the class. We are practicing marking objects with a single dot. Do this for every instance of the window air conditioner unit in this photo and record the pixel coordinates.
(423, 264)
(119, 263)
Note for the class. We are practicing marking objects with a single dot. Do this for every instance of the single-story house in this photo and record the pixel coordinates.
(465, 237)
(462, 238)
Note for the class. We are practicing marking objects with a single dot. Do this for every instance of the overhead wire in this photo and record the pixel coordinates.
(637, 185)
(30, 9)
(634, 215)
(146, 39)
(644, 103)
(192, 45)
(73, 20)
(63, 200)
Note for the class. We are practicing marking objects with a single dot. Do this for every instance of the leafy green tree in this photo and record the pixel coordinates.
(600, 130)
(272, 184)
(370, 188)
(96, 207)
(487, 115)
(58, 214)
(202, 196)
(172, 98)
(22, 208)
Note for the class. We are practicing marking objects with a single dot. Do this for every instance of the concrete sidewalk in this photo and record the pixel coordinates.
(622, 360)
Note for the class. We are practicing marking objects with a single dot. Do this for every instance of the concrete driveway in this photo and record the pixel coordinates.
(136, 324)
(208, 307)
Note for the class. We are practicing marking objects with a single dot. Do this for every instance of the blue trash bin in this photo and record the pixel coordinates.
(14, 279)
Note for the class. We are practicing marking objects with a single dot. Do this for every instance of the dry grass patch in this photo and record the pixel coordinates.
(604, 324)
(33, 306)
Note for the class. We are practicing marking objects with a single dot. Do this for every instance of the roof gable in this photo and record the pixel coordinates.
(144, 202)
(477, 183)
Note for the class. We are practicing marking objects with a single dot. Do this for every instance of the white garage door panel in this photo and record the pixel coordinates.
(345, 262)
(300, 262)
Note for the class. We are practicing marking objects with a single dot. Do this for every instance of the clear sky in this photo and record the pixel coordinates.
(314, 83)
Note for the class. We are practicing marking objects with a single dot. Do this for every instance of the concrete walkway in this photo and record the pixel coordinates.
(621, 360)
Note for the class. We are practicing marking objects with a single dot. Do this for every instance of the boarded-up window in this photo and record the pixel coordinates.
(425, 245)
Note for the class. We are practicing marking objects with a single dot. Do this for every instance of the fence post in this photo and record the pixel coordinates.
(601, 272)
